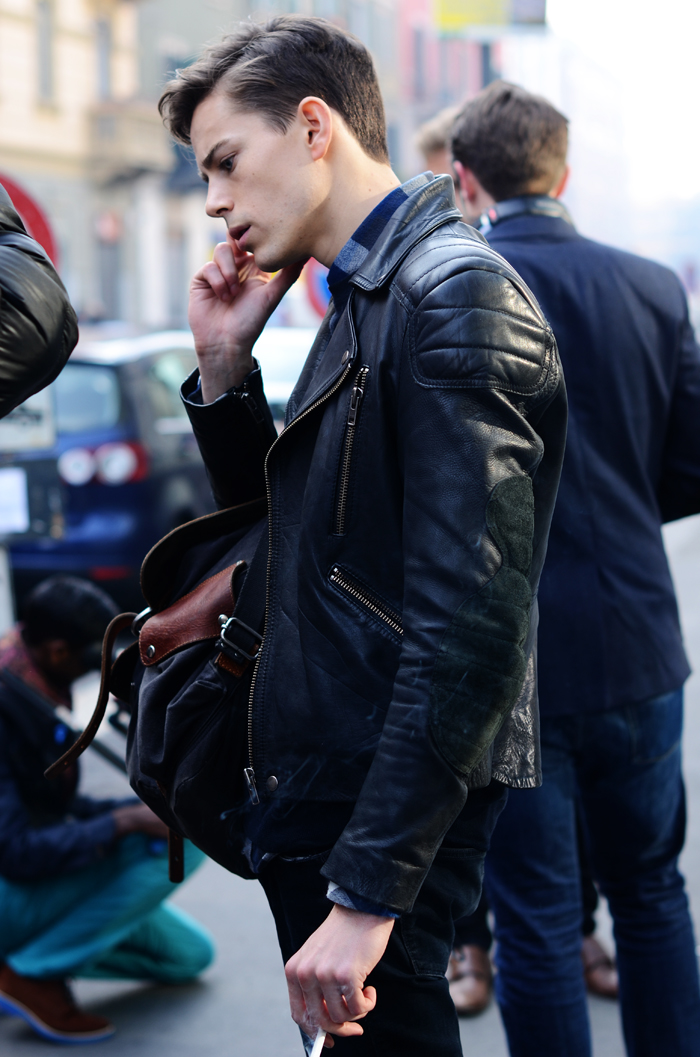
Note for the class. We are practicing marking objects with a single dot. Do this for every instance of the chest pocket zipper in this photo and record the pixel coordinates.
(357, 591)
(356, 398)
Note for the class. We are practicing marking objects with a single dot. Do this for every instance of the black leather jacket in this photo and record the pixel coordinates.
(410, 495)
(38, 327)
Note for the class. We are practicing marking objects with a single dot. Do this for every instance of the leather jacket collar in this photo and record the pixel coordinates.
(525, 205)
(430, 206)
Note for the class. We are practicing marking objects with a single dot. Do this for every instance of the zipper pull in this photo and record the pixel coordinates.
(355, 401)
(252, 405)
(249, 775)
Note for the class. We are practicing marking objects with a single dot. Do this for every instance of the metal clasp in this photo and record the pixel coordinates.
(237, 650)
(139, 620)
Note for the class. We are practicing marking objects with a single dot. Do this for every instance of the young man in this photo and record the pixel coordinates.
(611, 658)
(409, 499)
(82, 881)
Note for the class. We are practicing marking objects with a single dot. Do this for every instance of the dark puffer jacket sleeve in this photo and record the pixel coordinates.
(38, 327)
(480, 369)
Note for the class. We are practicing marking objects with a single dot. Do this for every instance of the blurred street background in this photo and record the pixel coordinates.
(96, 469)
(121, 209)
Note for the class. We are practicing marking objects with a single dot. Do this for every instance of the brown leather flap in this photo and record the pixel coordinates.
(194, 618)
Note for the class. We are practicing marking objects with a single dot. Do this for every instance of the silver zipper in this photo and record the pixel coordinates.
(340, 578)
(358, 392)
(249, 771)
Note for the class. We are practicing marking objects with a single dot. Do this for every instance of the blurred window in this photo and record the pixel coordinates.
(44, 30)
(103, 32)
(87, 398)
(419, 83)
(165, 376)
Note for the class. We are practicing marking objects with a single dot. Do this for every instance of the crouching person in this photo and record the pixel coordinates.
(83, 882)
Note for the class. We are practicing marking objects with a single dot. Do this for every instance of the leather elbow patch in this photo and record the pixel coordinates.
(481, 662)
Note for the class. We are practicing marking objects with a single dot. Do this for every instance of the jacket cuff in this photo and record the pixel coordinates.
(234, 434)
(191, 389)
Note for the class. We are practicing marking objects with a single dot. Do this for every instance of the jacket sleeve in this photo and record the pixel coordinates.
(480, 389)
(679, 486)
(30, 854)
(38, 327)
(234, 434)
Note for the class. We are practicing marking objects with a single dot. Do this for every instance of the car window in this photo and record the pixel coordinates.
(165, 376)
(87, 398)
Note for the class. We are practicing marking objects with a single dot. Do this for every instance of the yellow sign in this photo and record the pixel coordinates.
(455, 15)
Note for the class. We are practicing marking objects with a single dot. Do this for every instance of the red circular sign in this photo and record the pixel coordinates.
(35, 220)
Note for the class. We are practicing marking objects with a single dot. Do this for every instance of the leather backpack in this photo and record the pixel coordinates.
(186, 681)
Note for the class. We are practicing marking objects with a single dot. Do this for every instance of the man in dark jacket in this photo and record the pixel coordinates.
(611, 658)
(38, 327)
(409, 500)
(82, 881)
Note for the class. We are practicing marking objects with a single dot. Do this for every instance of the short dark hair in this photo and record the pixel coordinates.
(271, 66)
(65, 607)
(514, 142)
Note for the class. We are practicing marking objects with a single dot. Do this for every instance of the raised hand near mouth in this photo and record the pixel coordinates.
(231, 300)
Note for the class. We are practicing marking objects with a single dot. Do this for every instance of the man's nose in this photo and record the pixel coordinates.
(218, 202)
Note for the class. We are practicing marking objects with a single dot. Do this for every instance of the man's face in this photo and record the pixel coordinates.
(61, 662)
(263, 183)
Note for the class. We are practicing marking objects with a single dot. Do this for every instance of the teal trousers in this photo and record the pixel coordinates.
(109, 920)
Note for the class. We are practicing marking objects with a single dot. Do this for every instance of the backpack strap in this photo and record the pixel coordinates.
(240, 637)
(116, 626)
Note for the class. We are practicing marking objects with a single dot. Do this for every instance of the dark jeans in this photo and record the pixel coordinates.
(414, 1015)
(475, 931)
(624, 768)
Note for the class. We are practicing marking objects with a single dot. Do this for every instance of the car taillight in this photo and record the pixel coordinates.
(111, 464)
(119, 463)
(77, 466)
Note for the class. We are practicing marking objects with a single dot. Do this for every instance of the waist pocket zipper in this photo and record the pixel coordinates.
(351, 586)
(356, 398)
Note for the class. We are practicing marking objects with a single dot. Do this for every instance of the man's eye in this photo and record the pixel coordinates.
(227, 164)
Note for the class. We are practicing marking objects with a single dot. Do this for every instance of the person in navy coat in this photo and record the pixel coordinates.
(611, 659)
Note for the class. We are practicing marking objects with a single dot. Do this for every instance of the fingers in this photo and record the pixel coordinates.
(360, 1003)
(314, 1005)
(219, 274)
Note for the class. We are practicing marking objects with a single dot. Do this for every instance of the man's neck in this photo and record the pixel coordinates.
(356, 191)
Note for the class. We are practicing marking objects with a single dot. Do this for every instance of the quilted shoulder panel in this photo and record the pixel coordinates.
(473, 321)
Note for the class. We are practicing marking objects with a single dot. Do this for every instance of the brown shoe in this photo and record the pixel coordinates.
(471, 980)
(48, 1007)
(599, 969)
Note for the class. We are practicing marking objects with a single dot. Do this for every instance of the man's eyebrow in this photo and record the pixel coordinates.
(206, 164)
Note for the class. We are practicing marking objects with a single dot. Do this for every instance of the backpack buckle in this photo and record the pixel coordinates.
(232, 626)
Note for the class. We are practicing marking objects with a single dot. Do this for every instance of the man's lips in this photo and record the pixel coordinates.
(239, 233)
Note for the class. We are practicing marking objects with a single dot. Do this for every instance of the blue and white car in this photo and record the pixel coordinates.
(128, 463)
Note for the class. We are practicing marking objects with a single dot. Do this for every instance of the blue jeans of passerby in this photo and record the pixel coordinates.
(108, 920)
(623, 767)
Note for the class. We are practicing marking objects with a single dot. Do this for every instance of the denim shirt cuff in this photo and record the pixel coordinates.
(339, 895)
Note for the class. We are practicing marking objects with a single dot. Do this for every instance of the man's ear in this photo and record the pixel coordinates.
(317, 122)
(561, 186)
(469, 186)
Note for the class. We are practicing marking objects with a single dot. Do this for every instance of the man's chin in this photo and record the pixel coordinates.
(271, 260)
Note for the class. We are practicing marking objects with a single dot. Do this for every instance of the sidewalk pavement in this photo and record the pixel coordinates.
(239, 1007)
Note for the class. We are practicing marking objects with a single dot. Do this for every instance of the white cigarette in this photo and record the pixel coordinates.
(318, 1043)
